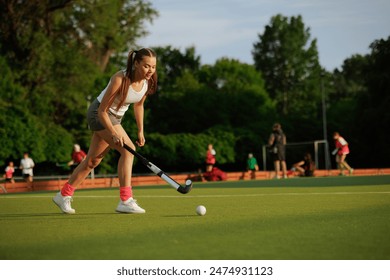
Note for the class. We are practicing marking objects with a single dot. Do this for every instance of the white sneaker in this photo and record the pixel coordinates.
(63, 202)
(129, 206)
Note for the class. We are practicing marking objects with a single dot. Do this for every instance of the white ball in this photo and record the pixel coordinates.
(201, 210)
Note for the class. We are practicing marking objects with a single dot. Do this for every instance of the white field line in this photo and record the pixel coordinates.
(201, 196)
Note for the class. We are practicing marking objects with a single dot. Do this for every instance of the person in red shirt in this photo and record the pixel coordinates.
(341, 152)
(210, 158)
(9, 173)
(78, 156)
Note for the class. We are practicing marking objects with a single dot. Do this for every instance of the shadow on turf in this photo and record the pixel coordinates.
(178, 216)
(28, 215)
(53, 215)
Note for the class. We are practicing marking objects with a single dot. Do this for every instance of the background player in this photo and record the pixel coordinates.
(341, 152)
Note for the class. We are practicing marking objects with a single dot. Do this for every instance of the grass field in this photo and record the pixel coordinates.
(303, 218)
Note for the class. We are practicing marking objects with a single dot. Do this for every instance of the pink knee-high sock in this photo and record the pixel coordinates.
(67, 190)
(125, 193)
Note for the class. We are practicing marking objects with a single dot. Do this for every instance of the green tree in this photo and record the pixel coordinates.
(22, 131)
(288, 59)
(172, 64)
(214, 95)
(177, 76)
(102, 29)
(344, 88)
(239, 95)
(57, 52)
(349, 82)
(187, 151)
(373, 107)
(98, 28)
(228, 96)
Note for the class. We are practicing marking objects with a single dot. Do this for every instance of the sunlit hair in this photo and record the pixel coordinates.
(129, 75)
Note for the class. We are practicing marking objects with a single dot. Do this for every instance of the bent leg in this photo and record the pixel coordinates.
(344, 163)
(339, 165)
(97, 150)
(125, 163)
(300, 170)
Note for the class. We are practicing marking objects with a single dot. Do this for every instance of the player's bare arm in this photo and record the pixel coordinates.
(108, 99)
(139, 118)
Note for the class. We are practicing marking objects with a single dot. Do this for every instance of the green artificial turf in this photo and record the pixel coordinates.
(301, 218)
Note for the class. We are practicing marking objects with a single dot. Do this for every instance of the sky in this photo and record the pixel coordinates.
(229, 28)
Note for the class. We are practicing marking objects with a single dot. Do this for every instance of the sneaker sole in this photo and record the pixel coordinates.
(126, 212)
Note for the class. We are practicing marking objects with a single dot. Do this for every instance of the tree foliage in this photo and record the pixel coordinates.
(288, 60)
(55, 53)
(209, 100)
(358, 107)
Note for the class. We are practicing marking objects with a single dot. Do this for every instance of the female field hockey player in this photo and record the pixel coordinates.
(341, 152)
(130, 86)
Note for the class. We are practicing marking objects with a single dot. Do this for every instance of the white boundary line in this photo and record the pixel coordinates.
(202, 196)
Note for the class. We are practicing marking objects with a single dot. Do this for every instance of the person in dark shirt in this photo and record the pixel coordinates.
(277, 144)
(305, 167)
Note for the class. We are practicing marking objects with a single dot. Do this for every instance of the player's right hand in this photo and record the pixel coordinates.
(117, 140)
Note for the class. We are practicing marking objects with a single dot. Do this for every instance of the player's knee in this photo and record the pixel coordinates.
(132, 146)
(126, 153)
(92, 163)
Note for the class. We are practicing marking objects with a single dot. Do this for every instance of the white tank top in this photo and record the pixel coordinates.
(132, 97)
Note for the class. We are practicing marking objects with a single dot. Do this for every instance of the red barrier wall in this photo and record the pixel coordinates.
(55, 185)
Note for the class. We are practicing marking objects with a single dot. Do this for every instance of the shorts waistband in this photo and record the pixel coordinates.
(115, 115)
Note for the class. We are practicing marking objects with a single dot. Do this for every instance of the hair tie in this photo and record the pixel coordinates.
(133, 55)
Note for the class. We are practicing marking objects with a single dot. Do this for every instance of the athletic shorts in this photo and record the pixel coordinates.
(93, 117)
(280, 155)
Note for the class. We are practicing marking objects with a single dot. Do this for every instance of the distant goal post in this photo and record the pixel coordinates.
(319, 149)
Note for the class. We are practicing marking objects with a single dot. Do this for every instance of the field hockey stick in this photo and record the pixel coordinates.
(181, 189)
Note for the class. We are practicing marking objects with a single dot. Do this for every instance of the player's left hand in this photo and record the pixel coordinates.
(141, 139)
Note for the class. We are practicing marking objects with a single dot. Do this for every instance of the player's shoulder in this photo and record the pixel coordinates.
(118, 75)
(116, 79)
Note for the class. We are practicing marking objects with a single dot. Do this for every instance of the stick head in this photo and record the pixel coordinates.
(185, 189)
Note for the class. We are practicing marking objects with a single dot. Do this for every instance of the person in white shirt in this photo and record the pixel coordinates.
(126, 87)
(27, 165)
